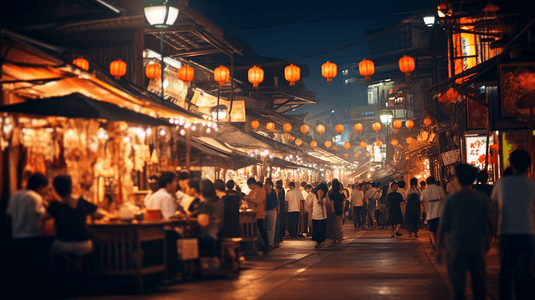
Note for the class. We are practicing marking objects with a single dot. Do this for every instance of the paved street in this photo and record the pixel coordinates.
(368, 265)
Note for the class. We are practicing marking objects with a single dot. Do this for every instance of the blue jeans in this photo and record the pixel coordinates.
(270, 223)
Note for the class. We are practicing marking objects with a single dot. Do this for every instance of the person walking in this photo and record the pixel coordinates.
(337, 201)
(357, 201)
(412, 208)
(371, 196)
(271, 212)
(466, 222)
(433, 197)
(318, 208)
(394, 200)
(295, 200)
(513, 198)
(281, 194)
(257, 197)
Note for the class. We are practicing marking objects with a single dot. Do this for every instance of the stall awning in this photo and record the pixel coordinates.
(79, 106)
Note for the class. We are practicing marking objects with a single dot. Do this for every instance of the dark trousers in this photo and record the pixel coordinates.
(282, 222)
(172, 256)
(293, 222)
(357, 216)
(516, 257)
(263, 234)
(470, 261)
(307, 230)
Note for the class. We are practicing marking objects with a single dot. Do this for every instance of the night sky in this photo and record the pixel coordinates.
(294, 28)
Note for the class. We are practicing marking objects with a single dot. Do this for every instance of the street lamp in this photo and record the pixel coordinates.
(386, 116)
(161, 14)
(429, 21)
(218, 112)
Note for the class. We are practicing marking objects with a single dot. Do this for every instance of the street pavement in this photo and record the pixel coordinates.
(369, 264)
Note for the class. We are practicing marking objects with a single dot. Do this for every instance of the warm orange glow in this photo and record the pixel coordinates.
(358, 127)
(288, 136)
(313, 145)
(410, 140)
(394, 142)
(376, 126)
(118, 68)
(270, 126)
(221, 75)
(320, 129)
(329, 70)
(255, 124)
(347, 145)
(328, 144)
(366, 68)
(427, 121)
(378, 143)
(298, 142)
(357, 154)
(292, 73)
(287, 127)
(339, 128)
(367, 154)
(449, 96)
(409, 124)
(406, 65)
(346, 155)
(186, 73)
(304, 129)
(362, 144)
(256, 76)
(464, 48)
(81, 63)
(397, 124)
(153, 71)
(335, 148)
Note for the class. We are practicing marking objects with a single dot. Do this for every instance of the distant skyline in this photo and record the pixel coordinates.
(291, 29)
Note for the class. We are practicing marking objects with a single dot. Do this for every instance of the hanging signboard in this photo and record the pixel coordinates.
(451, 157)
(476, 149)
(476, 115)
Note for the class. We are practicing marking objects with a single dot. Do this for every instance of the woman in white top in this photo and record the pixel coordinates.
(319, 206)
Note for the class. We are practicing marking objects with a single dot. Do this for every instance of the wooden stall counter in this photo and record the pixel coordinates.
(248, 230)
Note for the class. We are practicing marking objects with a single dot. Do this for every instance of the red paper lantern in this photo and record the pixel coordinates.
(320, 129)
(221, 75)
(313, 145)
(81, 63)
(186, 73)
(358, 127)
(397, 124)
(339, 128)
(378, 143)
(304, 129)
(288, 136)
(328, 144)
(153, 71)
(118, 68)
(256, 76)
(362, 144)
(376, 126)
(366, 68)
(255, 124)
(347, 145)
(346, 155)
(406, 65)
(427, 121)
(270, 126)
(292, 73)
(298, 142)
(287, 127)
(329, 70)
(409, 124)
(394, 142)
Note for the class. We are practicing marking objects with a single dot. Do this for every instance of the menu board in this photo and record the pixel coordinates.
(476, 149)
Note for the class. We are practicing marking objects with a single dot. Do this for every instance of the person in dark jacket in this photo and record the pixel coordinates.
(395, 219)
(231, 199)
(281, 194)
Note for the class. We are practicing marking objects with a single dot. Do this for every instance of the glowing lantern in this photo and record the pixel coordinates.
(186, 73)
(292, 73)
(358, 127)
(397, 124)
(320, 129)
(292, 138)
(409, 124)
(406, 65)
(153, 71)
(288, 136)
(394, 142)
(427, 121)
(270, 126)
(339, 128)
(298, 142)
(256, 76)
(313, 145)
(81, 63)
(346, 155)
(221, 75)
(378, 143)
(376, 126)
(335, 148)
(304, 129)
(362, 144)
(357, 154)
(329, 70)
(366, 68)
(255, 124)
(328, 144)
(118, 68)
(347, 145)
(410, 140)
(367, 154)
(287, 127)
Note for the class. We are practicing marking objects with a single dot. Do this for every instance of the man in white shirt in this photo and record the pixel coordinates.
(153, 186)
(357, 202)
(308, 198)
(295, 201)
(163, 198)
(29, 246)
(513, 198)
(433, 196)
(182, 198)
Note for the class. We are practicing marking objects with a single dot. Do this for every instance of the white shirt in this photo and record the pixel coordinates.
(309, 198)
(515, 196)
(433, 196)
(184, 200)
(319, 210)
(164, 201)
(146, 199)
(357, 198)
(294, 197)
(27, 212)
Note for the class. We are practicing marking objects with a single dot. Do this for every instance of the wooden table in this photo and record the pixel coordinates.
(248, 230)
